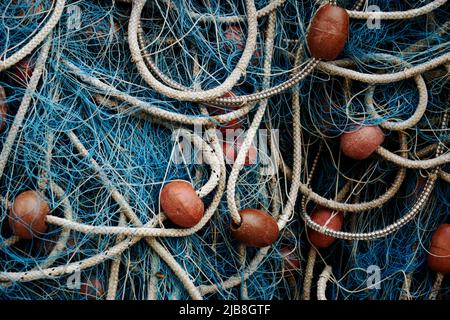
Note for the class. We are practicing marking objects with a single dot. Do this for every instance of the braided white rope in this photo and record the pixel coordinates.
(129, 212)
(337, 68)
(181, 95)
(356, 207)
(25, 103)
(272, 6)
(25, 276)
(397, 15)
(355, 14)
(153, 280)
(272, 91)
(242, 100)
(423, 198)
(331, 68)
(165, 255)
(413, 164)
(37, 39)
(211, 158)
(297, 154)
(413, 120)
(312, 253)
(322, 282)
(309, 270)
(124, 231)
(232, 100)
(415, 210)
(296, 175)
(113, 281)
(251, 132)
(151, 109)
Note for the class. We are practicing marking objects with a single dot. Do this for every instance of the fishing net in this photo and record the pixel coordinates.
(103, 103)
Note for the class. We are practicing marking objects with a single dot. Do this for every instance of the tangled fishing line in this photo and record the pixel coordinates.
(334, 185)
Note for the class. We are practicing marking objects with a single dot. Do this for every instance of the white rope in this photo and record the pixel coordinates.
(37, 39)
(322, 283)
(397, 15)
(337, 68)
(25, 103)
(152, 109)
(251, 132)
(418, 113)
(181, 95)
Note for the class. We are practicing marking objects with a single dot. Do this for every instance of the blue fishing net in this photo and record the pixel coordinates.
(135, 151)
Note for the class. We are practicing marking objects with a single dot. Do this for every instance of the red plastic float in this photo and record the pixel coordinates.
(257, 229)
(291, 261)
(92, 289)
(328, 32)
(28, 214)
(439, 256)
(325, 217)
(181, 204)
(362, 142)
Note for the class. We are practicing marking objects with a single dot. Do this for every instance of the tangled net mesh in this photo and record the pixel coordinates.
(89, 132)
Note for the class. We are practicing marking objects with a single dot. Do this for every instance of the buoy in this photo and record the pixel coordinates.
(362, 142)
(30, 3)
(291, 261)
(181, 204)
(28, 213)
(49, 244)
(328, 32)
(235, 35)
(324, 217)
(439, 253)
(21, 72)
(257, 228)
(92, 289)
